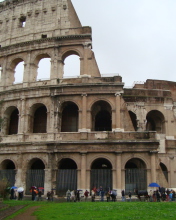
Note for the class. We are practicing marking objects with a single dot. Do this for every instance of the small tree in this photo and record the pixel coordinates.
(4, 188)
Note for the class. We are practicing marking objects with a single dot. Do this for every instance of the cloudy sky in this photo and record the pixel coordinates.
(135, 38)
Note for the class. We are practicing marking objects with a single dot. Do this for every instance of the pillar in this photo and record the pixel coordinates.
(153, 165)
(83, 115)
(83, 178)
(48, 180)
(117, 113)
(118, 172)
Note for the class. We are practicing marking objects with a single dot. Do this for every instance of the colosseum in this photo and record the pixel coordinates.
(79, 132)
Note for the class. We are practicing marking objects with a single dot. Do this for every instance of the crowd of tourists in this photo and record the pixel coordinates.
(161, 194)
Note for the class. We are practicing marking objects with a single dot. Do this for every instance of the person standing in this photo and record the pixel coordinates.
(129, 194)
(68, 195)
(123, 195)
(86, 194)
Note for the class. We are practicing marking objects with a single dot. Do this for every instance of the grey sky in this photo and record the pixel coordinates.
(135, 38)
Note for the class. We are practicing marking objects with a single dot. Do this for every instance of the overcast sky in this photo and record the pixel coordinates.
(135, 38)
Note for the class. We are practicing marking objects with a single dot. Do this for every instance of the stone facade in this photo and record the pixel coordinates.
(77, 132)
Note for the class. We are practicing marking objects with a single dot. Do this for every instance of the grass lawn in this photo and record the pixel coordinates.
(104, 210)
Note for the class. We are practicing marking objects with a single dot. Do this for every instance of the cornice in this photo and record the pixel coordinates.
(43, 40)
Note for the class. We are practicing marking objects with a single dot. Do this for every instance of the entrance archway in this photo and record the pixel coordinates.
(164, 170)
(135, 175)
(66, 176)
(101, 174)
(35, 174)
(7, 172)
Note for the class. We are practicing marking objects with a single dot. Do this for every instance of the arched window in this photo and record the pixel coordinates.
(101, 174)
(133, 119)
(7, 171)
(40, 120)
(135, 175)
(101, 116)
(66, 176)
(71, 66)
(44, 69)
(69, 122)
(18, 70)
(13, 123)
(155, 121)
(35, 174)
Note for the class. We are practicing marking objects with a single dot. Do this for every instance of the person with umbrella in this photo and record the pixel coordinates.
(20, 193)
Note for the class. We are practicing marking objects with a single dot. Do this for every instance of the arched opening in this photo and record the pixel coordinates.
(13, 123)
(164, 170)
(155, 121)
(135, 175)
(101, 174)
(40, 120)
(66, 176)
(19, 72)
(133, 119)
(101, 116)
(44, 69)
(69, 121)
(71, 66)
(35, 174)
(7, 172)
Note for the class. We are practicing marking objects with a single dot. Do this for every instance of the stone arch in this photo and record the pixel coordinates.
(69, 117)
(101, 116)
(11, 120)
(155, 121)
(69, 52)
(101, 174)
(14, 76)
(71, 58)
(135, 175)
(42, 58)
(90, 162)
(8, 171)
(66, 177)
(35, 175)
(38, 118)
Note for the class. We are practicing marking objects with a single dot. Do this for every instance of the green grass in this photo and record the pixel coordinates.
(117, 210)
(101, 210)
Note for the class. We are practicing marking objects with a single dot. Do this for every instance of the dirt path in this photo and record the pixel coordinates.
(27, 215)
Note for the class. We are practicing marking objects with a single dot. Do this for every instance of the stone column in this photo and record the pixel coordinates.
(117, 113)
(171, 176)
(118, 172)
(21, 123)
(83, 115)
(48, 180)
(83, 170)
(60, 69)
(153, 165)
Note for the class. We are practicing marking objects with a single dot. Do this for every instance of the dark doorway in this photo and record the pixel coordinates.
(13, 124)
(135, 175)
(70, 118)
(101, 174)
(133, 119)
(155, 121)
(35, 175)
(40, 120)
(103, 121)
(66, 176)
(101, 116)
(8, 172)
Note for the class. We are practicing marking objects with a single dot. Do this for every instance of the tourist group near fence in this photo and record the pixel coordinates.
(161, 194)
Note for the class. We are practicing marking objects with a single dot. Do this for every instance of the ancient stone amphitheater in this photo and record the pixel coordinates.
(79, 132)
